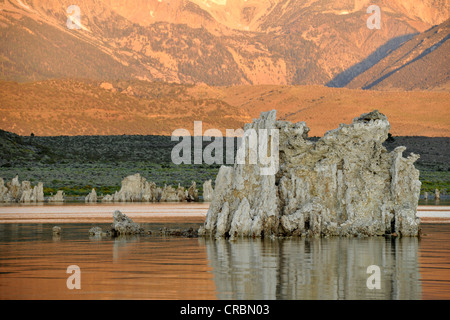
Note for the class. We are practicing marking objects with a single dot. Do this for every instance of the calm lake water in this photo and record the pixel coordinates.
(33, 262)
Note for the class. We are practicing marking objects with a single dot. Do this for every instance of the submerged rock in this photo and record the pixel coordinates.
(123, 225)
(188, 233)
(345, 184)
(96, 231)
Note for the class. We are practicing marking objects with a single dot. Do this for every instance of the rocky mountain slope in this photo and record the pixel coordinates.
(74, 107)
(230, 42)
(422, 63)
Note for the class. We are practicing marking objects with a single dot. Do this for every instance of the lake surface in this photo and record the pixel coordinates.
(33, 262)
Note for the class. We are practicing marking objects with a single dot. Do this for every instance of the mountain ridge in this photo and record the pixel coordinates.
(182, 41)
(421, 63)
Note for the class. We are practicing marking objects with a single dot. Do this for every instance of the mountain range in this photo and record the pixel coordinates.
(223, 42)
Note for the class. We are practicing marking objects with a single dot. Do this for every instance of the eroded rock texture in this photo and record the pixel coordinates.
(91, 197)
(137, 188)
(123, 225)
(14, 191)
(207, 191)
(58, 197)
(134, 188)
(345, 184)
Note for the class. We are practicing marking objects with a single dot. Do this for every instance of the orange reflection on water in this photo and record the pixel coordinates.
(110, 269)
(434, 261)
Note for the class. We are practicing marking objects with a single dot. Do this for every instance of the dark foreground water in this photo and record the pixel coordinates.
(33, 265)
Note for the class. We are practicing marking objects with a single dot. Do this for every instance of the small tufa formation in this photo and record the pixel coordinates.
(91, 197)
(136, 188)
(192, 192)
(58, 197)
(96, 231)
(437, 194)
(123, 225)
(14, 191)
(56, 230)
(345, 184)
(169, 194)
(207, 191)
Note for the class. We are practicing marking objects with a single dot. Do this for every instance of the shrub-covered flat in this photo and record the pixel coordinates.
(76, 164)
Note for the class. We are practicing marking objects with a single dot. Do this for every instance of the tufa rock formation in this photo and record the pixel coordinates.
(123, 225)
(192, 192)
(56, 230)
(91, 197)
(207, 191)
(14, 191)
(437, 194)
(137, 188)
(169, 194)
(345, 184)
(58, 197)
(96, 231)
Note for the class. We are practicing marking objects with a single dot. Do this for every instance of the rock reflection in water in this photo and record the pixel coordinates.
(124, 245)
(333, 268)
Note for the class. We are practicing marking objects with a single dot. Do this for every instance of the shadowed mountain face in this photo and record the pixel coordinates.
(230, 42)
(422, 63)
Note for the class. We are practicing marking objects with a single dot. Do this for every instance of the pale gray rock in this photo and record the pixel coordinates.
(132, 189)
(149, 192)
(14, 191)
(437, 194)
(137, 188)
(181, 193)
(91, 197)
(345, 184)
(56, 230)
(108, 198)
(58, 197)
(169, 194)
(192, 192)
(3, 190)
(96, 231)
(123, 225)
(207, 191)
(38, 193)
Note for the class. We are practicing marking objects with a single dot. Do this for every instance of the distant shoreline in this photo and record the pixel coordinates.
(144, 212)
